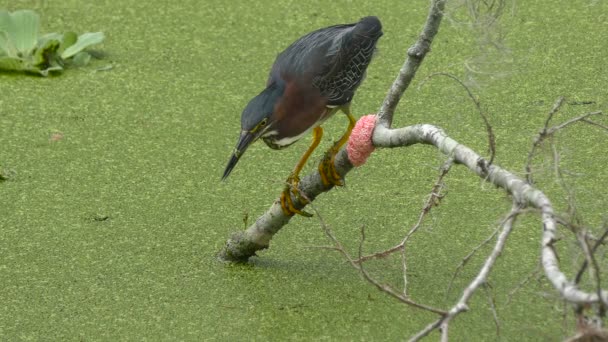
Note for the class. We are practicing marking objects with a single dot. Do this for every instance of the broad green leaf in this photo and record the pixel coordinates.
(66, 40)
(85, 40)
(69, 39)
(23, 30)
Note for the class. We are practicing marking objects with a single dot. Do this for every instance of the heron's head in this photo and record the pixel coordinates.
(258, 119)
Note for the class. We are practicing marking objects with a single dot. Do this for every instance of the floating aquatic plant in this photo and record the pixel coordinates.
(22, 49)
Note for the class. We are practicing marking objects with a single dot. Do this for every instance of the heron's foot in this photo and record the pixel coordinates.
(327, 169)
(287, 201)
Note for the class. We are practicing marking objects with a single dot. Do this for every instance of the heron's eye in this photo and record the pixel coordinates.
(260, 125)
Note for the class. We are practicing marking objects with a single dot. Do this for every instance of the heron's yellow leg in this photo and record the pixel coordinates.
(327, 170)
(317, 134)
(293, 180)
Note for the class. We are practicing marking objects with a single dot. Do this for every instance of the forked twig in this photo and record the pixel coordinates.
(547, 132)
(433, 200)
(382, 287)
(585, 264)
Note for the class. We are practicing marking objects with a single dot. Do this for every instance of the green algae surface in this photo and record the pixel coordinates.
(112, 210)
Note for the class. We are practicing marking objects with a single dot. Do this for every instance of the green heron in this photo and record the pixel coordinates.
(311, 80)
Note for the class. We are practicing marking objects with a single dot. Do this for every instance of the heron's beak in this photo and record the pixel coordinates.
(246, 139)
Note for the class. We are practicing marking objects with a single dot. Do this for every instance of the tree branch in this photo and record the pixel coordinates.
(415, 56)
(245, 244)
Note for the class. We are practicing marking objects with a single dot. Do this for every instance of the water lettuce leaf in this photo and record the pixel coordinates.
(85, 40)
(22, 49)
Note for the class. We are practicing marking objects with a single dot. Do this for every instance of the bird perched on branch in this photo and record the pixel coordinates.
(311, 80)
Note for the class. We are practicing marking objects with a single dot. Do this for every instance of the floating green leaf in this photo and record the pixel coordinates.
(85, 40)
(21, 49)
(23, 30)
(67, 39)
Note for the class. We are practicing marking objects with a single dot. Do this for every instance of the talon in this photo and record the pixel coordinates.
(337, 178)
(327, 170)
(287, 204)
(324, 178)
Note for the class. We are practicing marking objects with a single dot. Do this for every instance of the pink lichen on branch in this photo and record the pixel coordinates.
(360, 145)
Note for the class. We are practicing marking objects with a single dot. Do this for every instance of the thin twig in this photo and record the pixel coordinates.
(492, 301)
(593, 123)
(556, 106)
(594, 270)
(466, 259)
(484, 117)
(541, 137)
(547, 132)
(404, 267)
(600, 241)
(573, 227)
(434, 198)
(523, 283)
(572, 121)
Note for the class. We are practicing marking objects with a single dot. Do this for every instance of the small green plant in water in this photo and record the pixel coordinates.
(21, 49)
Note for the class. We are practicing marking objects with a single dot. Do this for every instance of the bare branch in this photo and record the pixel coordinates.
(444, 331)
(482, 276)
(522, 191)
(480, 279)
(415, 56)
